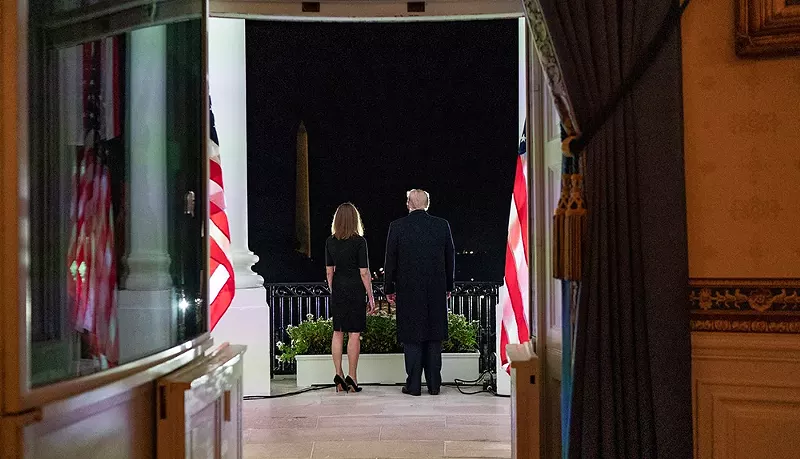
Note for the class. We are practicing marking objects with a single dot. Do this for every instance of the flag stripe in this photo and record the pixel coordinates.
(92, 261)
(521, 200)
(514, 296)
(221, 282)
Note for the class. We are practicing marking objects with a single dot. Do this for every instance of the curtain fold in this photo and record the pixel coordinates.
(631, 393)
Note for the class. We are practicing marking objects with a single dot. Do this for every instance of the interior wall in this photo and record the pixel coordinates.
(742, 139)
(742, 142)
(746, 390)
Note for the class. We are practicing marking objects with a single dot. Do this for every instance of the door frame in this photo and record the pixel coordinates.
(544, 152)
(365, 10)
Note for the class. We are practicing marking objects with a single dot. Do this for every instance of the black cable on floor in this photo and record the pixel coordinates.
(287, 394)
(458, 384)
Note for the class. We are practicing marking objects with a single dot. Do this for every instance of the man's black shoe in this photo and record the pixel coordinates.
(433, 391)
(407, 392)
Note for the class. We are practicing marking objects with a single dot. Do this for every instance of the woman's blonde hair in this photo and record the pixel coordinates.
(346, 222)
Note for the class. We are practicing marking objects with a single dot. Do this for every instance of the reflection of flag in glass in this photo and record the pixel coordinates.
(92, 280)
(512, 308)
(221, 284)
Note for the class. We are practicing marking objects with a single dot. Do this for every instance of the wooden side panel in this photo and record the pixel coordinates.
(201, 434)
(121, 427)
(525, 400)
(553, 403)
(746, 396)
(231, 444)
(9, 208)
(200, 408)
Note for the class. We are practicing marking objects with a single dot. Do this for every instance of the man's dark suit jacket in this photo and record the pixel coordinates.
(420, 266)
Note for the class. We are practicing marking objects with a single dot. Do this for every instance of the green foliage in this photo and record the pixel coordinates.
(313, 336)
(462, 334)
(380, 336)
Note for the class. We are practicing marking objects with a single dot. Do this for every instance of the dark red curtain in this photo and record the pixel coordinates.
(632, 363)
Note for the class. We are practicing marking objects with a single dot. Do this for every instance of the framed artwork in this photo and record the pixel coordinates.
(767, 28)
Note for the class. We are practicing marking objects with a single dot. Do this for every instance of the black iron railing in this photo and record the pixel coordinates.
(290, 303)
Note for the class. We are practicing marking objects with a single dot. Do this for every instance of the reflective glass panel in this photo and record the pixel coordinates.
(116, 163)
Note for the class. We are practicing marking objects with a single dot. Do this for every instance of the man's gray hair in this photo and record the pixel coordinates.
(418, 199)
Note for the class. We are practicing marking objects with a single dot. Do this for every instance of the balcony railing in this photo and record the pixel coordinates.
(290, 303)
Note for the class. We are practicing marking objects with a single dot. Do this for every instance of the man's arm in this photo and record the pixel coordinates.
(390, 264)
(450, 260)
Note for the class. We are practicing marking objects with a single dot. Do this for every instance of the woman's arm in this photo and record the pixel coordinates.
(330, 266)
(367, 280)
(329, 270)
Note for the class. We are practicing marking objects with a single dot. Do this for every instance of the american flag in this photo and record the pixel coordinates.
(512, 310)
(221, 283)
(92, 260)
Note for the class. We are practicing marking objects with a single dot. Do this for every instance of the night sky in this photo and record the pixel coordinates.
(388, 107)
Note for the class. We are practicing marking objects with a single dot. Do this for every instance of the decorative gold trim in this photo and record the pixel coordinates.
(782, 282)
(745, 326)
(745, 305)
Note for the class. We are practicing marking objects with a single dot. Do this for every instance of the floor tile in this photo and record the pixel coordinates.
(279, 451)
(378, 423)
(463, 433)
(479, 420)
(464, 449)
(290, 435)
(372, 449)
(277, 422)
(381, 420)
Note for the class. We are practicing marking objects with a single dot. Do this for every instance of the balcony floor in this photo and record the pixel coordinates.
(379, 422)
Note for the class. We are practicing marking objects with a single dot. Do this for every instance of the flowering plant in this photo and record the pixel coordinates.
(313, 336)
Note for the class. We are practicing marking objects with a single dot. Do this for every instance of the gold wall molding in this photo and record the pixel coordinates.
(745, 305)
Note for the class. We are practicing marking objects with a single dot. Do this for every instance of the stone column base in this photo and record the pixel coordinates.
(247, 322)
(146, 321)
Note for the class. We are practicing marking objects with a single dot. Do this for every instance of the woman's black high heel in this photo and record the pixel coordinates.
(352, 384)
(341, 384)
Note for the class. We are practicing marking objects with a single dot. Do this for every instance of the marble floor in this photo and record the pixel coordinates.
(379, 422)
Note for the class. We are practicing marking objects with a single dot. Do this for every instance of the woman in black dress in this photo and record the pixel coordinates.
(347, 269)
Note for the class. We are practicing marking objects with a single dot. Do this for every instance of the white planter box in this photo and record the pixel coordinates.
(382, 368)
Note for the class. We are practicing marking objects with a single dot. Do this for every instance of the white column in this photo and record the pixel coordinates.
(227, 87)
(247, 321)
(145, 303)
(148, 260)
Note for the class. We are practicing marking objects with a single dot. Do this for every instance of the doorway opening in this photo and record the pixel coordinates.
(537, 128)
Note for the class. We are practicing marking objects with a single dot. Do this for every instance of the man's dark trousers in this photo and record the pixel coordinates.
(425, 356)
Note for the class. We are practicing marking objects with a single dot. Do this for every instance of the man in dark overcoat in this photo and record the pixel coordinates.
(419, 270)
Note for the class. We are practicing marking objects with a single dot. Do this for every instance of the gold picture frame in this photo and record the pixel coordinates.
(767, 28)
